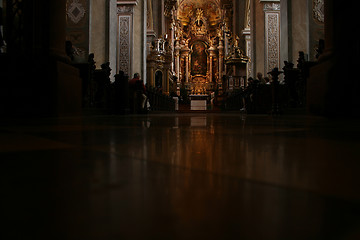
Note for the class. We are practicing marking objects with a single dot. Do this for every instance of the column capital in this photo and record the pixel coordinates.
(126, 7)
(127, 2)
(271, 5)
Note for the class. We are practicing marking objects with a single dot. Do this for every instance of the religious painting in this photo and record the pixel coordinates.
(198, 59)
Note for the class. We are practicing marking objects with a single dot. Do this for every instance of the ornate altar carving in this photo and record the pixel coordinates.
(199, 26)
(236, 54)
(197, 38)
(159, 64)
(236, 63)
(199, 42)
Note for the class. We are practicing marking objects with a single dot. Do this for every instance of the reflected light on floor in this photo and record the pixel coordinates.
(180, 176)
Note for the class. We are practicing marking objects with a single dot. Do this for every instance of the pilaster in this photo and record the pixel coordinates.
(125, 13)
(150, 32)
(249, 67)
(272, 34)
(177, 60)
(248, 40)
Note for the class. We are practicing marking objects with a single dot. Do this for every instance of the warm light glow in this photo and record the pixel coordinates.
(211, 10)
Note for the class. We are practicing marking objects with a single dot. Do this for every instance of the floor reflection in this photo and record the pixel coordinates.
(285, 156)
(190, 176)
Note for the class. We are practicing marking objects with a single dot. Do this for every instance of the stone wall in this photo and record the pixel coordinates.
(98, 27)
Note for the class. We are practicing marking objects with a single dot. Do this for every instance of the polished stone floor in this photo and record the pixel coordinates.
(180, 176)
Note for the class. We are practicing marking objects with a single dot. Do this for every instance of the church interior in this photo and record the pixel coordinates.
(244, 122)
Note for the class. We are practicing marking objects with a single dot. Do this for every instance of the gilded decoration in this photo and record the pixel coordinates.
(159, 60)
(236, 54)
(211, 9)
(199, 46)
(199, 27)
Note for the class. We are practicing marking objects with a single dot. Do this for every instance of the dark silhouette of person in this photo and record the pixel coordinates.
(137, 97)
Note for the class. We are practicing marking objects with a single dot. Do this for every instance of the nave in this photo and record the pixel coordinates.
(172, 176)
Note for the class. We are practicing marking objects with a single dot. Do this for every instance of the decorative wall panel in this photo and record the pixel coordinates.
(124, 47)
(272, 36)
(248, 53)
(125, 39)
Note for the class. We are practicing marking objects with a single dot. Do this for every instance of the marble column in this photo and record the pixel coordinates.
(150, 21)
(221, 63)
(186, 53)
(177, 66)
(210, 67)
(247, 34)
(187, 68)
(144, 42)
(166, 81)
(177, 60)
(212, 54)
(172, 46)
(248, 44)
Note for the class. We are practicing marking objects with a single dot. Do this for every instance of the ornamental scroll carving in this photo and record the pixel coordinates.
(272, 7)
(272, 35)
(124, 44)
(125, 9)
(272, 41)
(318, 10)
